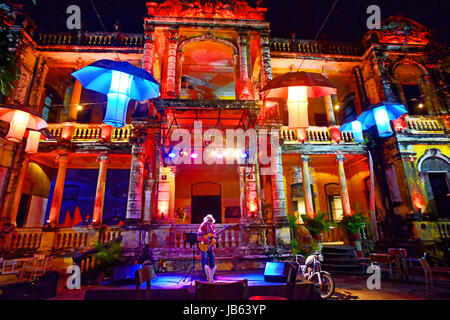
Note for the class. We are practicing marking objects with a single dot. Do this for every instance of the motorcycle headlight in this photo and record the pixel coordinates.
(321, 257)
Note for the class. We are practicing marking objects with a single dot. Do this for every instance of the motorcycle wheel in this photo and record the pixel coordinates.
(325, 290)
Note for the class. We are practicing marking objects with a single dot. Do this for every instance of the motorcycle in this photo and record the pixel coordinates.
(311, 269)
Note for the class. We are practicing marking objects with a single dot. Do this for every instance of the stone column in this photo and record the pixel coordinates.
(18, 192)
(55, 208)
(258, 191)
(37, 84)
(245, 92)
(148, 196)
(343, 185)
(172, 175)
(242, 193)
(372, 208)
(265, 58)
(309, 208)
(75, 101)
(149, 47)
(100, 191)
(251, 194)
(171, 68)
(7, 192)
(379, 65)
(134, 203)
(330, 111)
(278, 190)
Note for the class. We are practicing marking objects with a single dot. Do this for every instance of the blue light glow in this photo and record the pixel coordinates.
(118, 98)
(382, 121)
(357, 131)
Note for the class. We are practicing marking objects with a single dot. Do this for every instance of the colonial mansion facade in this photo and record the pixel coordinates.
(90, 182)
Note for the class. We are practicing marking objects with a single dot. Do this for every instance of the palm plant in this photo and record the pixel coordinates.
(353, 224)
(107, 257)
(318, 224)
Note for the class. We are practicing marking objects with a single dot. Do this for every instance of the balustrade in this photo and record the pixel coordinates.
(91, 39)
(90, 132)
(315, 47)
(444, 229)
(314, 135)
(425, 123)
(23, 239)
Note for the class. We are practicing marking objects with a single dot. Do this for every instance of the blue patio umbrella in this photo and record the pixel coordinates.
(120, 81)
(380, 115)
(353, 126)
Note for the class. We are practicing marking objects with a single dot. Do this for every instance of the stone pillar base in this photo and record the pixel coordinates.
(47, 241)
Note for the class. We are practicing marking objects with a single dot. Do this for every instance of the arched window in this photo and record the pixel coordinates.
(435, 170)
(410, 87)
(207, 71)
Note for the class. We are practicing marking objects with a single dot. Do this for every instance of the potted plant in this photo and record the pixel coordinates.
(317, 225)
(106, 258)
(353, 224)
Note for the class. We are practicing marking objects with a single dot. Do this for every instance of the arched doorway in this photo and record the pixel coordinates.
(206, 199)
(434, 168)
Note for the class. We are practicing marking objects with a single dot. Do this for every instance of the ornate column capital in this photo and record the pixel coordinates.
(243, 38)
(305, 158)
(173, 35)
(149, 34)
(62, 158)
(340, 158)
(102, 158)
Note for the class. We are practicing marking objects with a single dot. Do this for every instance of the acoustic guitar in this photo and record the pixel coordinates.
(208, 239)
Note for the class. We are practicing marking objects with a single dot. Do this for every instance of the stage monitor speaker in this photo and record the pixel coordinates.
(276, 271)
(124, 274)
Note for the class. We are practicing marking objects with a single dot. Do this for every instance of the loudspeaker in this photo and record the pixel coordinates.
(276, 271)
(125, 274)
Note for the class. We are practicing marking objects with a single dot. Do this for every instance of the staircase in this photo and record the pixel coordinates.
(340, 259)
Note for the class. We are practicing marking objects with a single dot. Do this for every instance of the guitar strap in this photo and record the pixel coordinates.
(208, 231)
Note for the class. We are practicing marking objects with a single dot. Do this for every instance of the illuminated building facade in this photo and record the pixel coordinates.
(90, 181)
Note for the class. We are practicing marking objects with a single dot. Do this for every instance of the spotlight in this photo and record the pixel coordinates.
(79, 107)
(336, 107)
(171, 155)
(243, 155)
(420, 106)
(194, 155)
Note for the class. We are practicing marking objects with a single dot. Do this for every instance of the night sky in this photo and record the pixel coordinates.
(347, 22)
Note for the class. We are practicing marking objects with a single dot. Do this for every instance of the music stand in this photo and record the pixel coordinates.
(191, 238)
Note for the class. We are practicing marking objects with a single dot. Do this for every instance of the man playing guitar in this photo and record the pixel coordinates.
(206, 229)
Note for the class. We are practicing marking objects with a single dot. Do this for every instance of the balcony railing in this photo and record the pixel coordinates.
(314, 134)
(428, 124)
(91, 39)
(77, 132)
(315, 47)
(60, 239)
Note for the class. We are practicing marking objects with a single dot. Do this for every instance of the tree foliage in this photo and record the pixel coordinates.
(9, 41)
